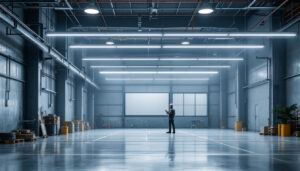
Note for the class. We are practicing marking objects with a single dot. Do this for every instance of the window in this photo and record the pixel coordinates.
(201, 104)
(146, 103)
(190, 104)
(178, 104)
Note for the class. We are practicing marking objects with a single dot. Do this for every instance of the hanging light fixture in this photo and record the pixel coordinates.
(206, 8)
(91, 9)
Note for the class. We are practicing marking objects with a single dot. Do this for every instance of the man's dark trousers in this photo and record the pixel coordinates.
(171, 123)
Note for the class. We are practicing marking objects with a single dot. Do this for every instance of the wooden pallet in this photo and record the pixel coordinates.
(30, 140)
(12, 141)
(264, 134)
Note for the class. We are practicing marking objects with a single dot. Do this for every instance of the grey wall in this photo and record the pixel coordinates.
(260, 91)
(32, 83)
(110, 106)
(11, 90)
(293, 68)
(248, 87)
(231, 97)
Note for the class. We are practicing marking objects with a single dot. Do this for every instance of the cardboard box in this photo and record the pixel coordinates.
(273, 131)
(264, 130)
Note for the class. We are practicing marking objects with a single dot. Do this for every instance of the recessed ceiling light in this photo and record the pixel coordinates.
(110, 43)
(185, 43)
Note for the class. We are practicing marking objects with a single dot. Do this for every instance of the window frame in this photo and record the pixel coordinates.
(194, 105)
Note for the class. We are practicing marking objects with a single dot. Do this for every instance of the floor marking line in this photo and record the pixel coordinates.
(106, 136)
(237, 148)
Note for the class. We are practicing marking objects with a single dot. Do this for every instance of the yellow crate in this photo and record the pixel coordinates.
(64, 130)
(238, 126)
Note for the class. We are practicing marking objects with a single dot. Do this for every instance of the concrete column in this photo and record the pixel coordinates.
(78, 100)
(223, 99)
(241, 99)
(61, 88)
(91, 107)
(278, 65)
(32, 74)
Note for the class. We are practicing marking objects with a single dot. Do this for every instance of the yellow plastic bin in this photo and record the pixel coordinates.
(285, 130)
(238, 126)
(279, 129)
(64, 130)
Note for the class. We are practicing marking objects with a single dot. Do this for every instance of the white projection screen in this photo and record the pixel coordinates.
(146, 103)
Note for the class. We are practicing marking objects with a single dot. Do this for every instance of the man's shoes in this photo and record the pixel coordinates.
(173, 132)
(168, 132)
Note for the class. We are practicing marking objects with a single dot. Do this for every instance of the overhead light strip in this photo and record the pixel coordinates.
(201, 59)
(166, 59)
(115, 46)
(105, 66)
(214, 47)
(156, 79)
(178, 34)
(158, 72)
(166, 46)
(86, 34)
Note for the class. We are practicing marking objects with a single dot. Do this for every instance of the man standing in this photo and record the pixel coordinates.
(171, 114)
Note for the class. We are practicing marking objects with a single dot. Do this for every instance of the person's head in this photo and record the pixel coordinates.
(171, 106)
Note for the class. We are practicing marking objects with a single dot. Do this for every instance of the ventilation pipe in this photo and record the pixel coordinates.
(18, 25)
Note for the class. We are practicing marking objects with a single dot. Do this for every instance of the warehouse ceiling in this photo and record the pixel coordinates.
(152, 13)
(160, 16)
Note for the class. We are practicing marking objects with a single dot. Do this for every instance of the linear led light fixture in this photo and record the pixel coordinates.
(120, 59)
(202, 59)
(105, 66)
(181, 79)
(195, 34)
(174, 34)
(233, 34)
(166, 59)
(115, 46)
(214, 47)
(158, 72)
(249, 34)
(156, 79)
(167, 46)
(95, 34)
(129, 79)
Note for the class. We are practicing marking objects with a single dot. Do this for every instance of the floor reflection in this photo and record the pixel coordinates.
(171, 149)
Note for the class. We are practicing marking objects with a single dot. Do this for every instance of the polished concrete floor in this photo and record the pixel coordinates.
(153, 149)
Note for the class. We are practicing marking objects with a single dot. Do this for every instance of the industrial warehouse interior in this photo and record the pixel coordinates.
(149, 85)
